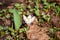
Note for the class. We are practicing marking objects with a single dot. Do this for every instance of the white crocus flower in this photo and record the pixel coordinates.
(28, 20)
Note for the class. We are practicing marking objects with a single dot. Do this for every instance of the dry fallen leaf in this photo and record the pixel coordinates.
(37, 33)
(58, 34)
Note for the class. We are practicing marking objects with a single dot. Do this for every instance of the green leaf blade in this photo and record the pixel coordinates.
(17, 19)
(37, 12)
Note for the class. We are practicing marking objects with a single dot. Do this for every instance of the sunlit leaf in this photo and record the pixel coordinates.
(48, 19)
(53, 4)
(44, 0)
(17, 19)
(58, 8)
(51, 30)
(37, 12)
(40, 20)
(4, 10)
(1, 3)
(12, 31)
(1, 14)
(8, 16)
(1, 27)
(17, 4)
(29, 6)
(11, 10)
(58, 29)
(23, 29)
(37, 2)
(19, 12)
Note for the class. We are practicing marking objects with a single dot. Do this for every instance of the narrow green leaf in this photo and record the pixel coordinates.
(17, 19)
(11, 29)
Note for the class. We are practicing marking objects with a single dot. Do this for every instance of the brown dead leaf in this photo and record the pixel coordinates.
(37, 33)
(7, 22)
(58, 34)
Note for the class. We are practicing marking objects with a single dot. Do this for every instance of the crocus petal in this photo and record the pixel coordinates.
(28, 20)
(29, 16)
(32, 19)
(25, 18)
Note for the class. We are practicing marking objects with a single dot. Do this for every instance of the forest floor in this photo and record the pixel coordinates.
(30, 20)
